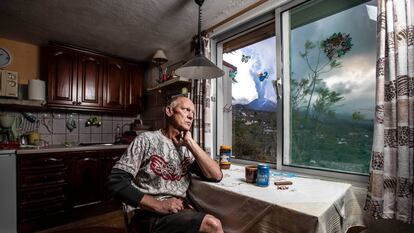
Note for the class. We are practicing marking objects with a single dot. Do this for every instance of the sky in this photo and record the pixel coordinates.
(355, 80)
(263, 59)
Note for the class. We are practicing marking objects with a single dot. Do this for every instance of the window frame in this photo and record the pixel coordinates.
(283, 108)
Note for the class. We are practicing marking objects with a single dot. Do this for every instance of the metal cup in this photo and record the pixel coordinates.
(251, 173)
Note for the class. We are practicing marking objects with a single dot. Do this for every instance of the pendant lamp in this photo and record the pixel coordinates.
(199, 67)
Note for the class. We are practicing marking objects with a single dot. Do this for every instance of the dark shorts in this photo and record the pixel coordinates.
(185, 221)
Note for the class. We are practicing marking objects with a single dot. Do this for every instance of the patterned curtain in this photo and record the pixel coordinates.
(390, 191)
(200, 94)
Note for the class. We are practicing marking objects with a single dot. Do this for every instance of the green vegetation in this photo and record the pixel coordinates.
(319, 137)
(254, 135)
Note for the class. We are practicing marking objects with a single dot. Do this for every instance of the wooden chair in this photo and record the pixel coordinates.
(128, 212)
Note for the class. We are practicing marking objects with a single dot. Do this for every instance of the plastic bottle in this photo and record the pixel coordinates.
(118, 135)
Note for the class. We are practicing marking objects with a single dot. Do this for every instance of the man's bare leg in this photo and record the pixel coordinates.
(211, 224)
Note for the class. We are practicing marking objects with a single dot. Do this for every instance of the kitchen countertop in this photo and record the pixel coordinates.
(63, 148)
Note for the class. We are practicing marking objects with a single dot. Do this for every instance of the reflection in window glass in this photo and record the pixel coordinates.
(253, 101)
(332, 87)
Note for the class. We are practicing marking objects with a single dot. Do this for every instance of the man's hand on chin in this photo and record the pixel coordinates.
(184, 138)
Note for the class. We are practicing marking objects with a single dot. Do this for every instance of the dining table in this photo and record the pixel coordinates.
(308, 205)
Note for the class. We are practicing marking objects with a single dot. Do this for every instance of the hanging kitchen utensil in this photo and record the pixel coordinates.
(29, 116)
(70, 123)
(47, 124)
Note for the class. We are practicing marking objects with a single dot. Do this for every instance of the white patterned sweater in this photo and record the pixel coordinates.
(160, 168)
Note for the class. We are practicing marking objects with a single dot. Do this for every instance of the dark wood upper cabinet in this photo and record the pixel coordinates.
(62, 76)
(134, 85)
(88, 81)
(114, 84)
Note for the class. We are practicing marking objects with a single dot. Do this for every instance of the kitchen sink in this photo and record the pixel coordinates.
(96, 144)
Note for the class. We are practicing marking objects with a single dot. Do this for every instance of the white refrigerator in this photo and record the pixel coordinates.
(8, 203)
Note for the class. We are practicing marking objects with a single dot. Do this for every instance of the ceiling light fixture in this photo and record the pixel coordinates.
(199, 67)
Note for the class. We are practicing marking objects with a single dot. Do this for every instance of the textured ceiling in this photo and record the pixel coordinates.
(127, 28)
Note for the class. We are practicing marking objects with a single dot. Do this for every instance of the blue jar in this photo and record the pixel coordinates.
(262, 175)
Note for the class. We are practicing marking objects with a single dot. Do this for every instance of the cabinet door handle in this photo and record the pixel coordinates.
(51, 160)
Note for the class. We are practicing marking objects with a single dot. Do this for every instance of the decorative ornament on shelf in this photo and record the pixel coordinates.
(199, 67)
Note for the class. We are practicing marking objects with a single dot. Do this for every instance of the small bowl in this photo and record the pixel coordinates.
(6, 121)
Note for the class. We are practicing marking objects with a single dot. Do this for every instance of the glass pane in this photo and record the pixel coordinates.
(332, 87)
(253, 104)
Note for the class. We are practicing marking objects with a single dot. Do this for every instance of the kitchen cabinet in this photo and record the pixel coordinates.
(85, 80)
(62, 76)
(90, 78)
(108, 161)
(53, 188)
(114, 84)
(88, 171)
(134, 85)
(41, 185)
(84, 178)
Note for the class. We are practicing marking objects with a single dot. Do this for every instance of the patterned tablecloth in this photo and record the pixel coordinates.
(309, 205)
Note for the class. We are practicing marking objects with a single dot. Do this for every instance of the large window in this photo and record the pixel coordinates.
(325, 115)
(250, 62)
(329, 85)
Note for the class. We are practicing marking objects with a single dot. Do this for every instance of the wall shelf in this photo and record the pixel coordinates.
(23, 104)
(173, 84)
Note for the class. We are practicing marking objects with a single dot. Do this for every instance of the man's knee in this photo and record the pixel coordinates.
(211, 224)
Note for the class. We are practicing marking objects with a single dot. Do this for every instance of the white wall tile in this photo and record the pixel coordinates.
(59, 126)
(96, 138)
(108, 137)
(82, 128)
(58, 139)
(96, 129)
(107, 118)
(107, 127)
(84, 116)
(84, 137)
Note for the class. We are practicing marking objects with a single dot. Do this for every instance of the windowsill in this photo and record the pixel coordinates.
(358, 181)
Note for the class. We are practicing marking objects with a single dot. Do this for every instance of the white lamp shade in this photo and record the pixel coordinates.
(159, 57)
(199, 67)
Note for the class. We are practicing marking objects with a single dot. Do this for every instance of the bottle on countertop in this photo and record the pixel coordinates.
(225, 154)
(118, 134)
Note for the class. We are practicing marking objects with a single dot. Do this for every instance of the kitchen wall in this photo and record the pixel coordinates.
(25, 59)
(54, 130)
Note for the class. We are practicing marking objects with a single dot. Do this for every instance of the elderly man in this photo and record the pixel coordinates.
(154, 175)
